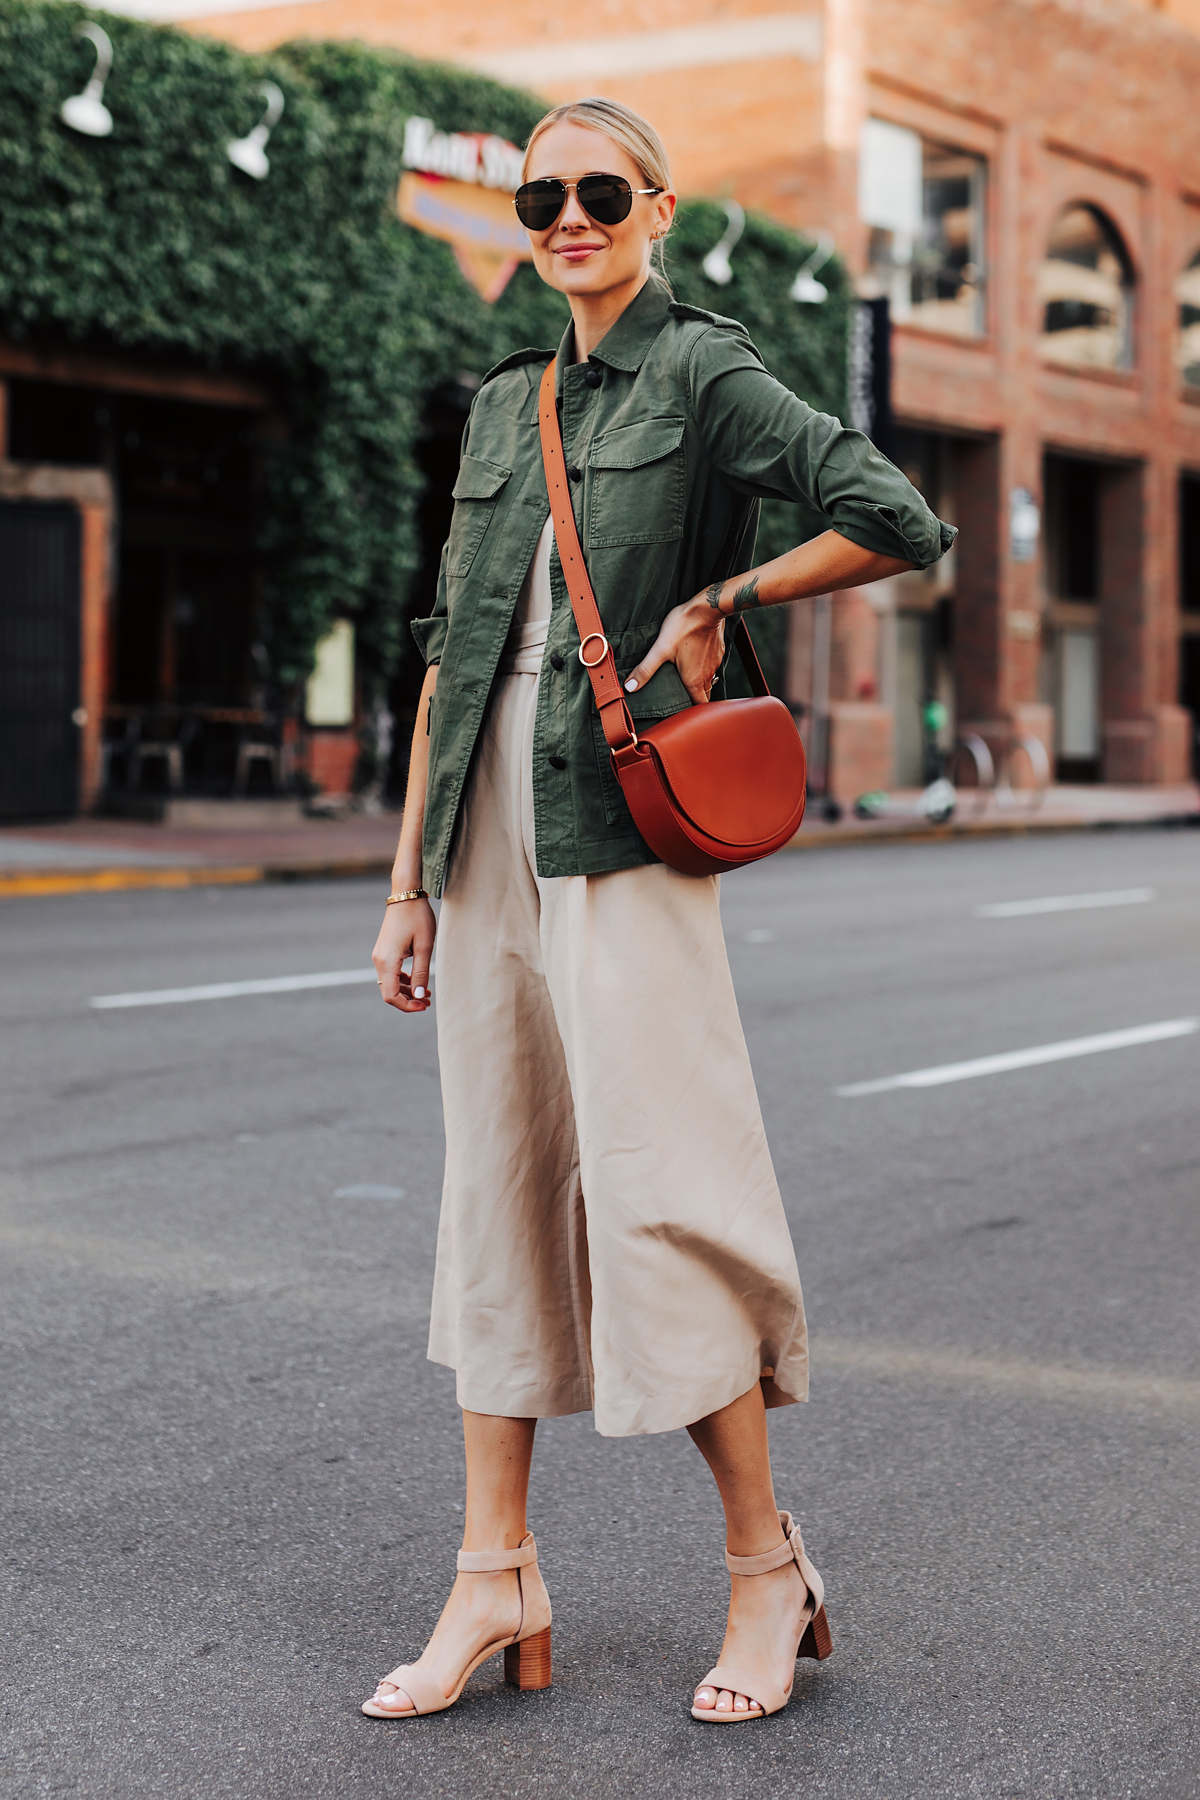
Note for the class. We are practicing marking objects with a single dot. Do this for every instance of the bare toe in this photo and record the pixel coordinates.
(388, 1695)
(705, 1698)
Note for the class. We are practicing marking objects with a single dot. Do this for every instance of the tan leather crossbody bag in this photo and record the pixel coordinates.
(713, 787)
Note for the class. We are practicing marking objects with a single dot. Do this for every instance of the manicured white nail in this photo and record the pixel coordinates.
(418, 993)
(630, 685)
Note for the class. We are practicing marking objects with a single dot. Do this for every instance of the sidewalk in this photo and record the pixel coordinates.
(263, 844)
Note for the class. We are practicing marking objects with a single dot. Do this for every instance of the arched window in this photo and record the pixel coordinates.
(1187, 292)
(1085, 285)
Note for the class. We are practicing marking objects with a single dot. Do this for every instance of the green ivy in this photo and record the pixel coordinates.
(149, 240)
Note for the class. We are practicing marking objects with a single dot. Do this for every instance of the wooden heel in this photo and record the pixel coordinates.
(817, 1641)
(527, 1664)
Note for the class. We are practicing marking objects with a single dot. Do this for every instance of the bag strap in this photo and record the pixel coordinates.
(600, 663)
(602, 668)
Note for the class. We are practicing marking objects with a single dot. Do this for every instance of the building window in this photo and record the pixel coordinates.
(924, 203)
(1187, 292)
(1085, 285)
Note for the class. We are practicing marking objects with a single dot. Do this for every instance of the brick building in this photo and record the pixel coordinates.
(1022, 179)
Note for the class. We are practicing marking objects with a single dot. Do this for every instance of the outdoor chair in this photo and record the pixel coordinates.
(260, 750)
(124, 746)
(165, 749)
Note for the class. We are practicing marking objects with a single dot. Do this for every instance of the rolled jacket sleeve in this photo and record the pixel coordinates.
(770, 444)
(430, 633)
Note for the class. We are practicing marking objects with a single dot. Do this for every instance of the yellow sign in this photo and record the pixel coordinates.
(488, 238)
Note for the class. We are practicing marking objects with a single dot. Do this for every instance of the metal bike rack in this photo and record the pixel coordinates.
(1039, 764)
(985, 769)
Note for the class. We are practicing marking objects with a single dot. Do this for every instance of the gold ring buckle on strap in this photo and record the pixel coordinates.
(599, 638)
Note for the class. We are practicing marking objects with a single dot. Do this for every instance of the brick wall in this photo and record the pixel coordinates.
(860, 748)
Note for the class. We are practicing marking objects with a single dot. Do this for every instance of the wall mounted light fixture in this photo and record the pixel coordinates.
(249, 154)
(806, 289)
(86, 112)
(716, 264)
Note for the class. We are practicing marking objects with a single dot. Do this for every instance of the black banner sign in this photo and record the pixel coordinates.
(870, 372)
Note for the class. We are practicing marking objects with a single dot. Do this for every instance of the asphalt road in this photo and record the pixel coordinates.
(231, 1485)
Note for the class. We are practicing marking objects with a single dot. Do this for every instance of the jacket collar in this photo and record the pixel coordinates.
(624, 345)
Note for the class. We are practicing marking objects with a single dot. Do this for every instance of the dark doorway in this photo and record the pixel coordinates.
(1189, 543)
(1189, 690)
(1189, 601)
(1073, 528)
(1071, 676)
(183, 615)
(185, 478)
(925, 690)
(39, 659)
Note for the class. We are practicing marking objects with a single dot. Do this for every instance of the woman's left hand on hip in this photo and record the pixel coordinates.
(692, 636)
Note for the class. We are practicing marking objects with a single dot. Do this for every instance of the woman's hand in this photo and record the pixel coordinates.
(409, 928)
(693, 638)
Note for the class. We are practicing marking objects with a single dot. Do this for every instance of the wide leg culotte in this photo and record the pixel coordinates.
(611, 1233)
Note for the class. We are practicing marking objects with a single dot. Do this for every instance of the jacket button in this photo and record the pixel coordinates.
(593, 377)
(575, 472)
(556, 661)
(558, 762)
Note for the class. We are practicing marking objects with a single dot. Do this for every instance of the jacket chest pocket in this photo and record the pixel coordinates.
(476, 501)
(635, 491)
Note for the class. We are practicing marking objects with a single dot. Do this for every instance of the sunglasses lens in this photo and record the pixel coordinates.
(605, 198)
(539, 203)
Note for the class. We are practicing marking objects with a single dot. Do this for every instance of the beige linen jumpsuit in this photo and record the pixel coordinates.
(612, 1234)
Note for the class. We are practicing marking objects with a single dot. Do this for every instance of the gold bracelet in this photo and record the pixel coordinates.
(408, 894)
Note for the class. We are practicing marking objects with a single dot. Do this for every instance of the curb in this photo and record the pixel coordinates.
(108, 881)
(116, 879)
(832, 837)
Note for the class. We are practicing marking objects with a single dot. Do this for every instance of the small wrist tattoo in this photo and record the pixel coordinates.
(745, 597)
(713, 595)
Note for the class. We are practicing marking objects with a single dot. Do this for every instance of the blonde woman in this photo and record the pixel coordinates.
(612, 1235)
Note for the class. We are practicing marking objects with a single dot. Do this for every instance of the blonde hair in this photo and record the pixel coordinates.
(635, 135)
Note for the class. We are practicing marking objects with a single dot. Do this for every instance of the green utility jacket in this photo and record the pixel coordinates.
(673, 432)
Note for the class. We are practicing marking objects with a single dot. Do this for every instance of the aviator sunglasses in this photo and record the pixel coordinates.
(606, 198)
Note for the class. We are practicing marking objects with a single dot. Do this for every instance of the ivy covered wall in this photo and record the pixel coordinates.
(150, 241)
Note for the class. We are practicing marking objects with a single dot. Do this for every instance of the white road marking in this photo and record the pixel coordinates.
(1129, 1389)
(367, 1190)
(232, 990)
(1026, 1059)
(1054, 903)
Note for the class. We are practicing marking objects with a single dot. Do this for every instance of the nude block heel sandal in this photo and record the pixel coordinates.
(527, 1664)
(526, 1652)
(815, 1640)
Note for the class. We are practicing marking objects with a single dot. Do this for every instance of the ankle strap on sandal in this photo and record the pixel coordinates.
(483, 1562)
(770, 1559)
